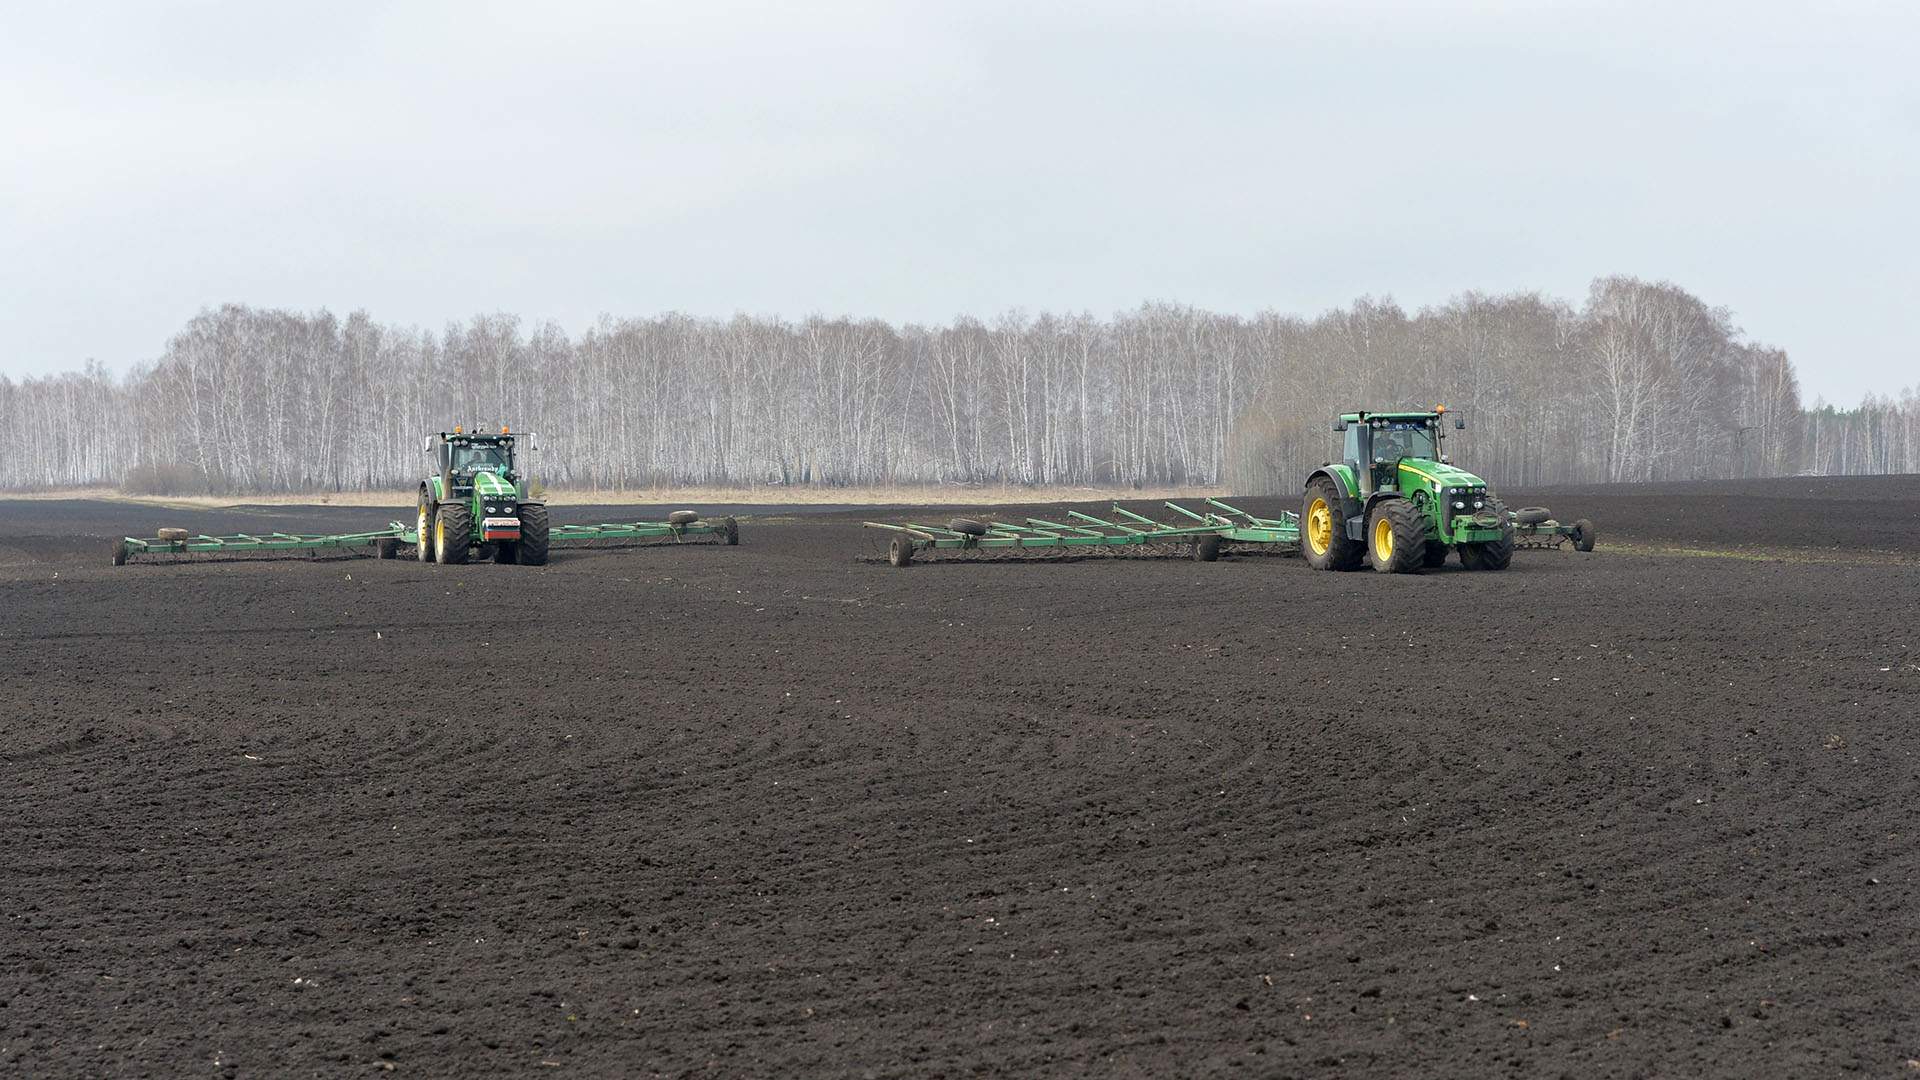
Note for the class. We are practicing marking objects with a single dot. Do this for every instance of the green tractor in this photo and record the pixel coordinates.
(1395, 501)
(478, 504)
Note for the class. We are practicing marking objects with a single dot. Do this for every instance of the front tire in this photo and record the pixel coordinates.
(531, 550)
(1396, 537)
(1491, 554)
(1323, 528)
(452, 533)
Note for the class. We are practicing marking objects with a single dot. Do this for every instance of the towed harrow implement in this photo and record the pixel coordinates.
(1535, 527)
(1207, 533)
(386, 543)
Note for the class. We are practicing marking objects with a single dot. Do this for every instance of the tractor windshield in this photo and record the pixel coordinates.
(1404, 439)
(492, 458)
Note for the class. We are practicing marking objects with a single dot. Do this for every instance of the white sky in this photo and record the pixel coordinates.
(430, 161)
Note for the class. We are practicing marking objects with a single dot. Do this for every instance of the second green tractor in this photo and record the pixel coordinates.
(1395, 502)
(477, 503)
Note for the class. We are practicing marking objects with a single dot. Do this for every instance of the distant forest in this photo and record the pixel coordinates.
(1643, 381)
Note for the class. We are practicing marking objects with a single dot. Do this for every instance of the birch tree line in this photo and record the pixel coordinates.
(1643, 381)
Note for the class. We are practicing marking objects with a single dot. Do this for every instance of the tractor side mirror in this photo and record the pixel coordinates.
(1339, 425)
(1459, 424)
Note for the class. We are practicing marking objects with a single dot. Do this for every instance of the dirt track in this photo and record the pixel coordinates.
(771, 810)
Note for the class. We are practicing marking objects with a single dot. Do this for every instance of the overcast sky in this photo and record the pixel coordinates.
(430, 161)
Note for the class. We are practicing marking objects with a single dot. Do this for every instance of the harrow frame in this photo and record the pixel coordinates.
(388, 541)
(1207, 536)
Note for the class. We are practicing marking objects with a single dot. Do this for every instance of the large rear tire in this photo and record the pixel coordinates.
(504, 552)
(452, 533)
(423, 527)
(1436, 555)
(1323, 528)
(534, 533)
(1396, 537)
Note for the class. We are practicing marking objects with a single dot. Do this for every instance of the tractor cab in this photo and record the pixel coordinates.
(1376, 443)
(459, 456)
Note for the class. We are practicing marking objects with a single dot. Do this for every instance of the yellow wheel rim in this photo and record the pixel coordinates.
(439, 534)
(1383, 537)
(1319, 527)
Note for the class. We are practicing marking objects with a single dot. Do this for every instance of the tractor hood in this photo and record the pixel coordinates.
(1434, 472)
(489, 486)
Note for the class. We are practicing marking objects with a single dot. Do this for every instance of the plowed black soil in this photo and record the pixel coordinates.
(773, 810)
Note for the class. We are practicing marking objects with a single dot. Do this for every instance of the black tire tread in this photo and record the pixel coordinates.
(457, 522)
(1409, 536)
(1342, 553)
(535, 535)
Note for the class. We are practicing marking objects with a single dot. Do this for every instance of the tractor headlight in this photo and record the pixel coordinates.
(1458, 505)
(492, 510)
(1479, 504)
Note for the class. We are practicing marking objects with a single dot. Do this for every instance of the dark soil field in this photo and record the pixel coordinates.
(782, 810)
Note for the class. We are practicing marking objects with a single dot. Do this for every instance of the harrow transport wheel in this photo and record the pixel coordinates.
(119, 553)
(387, 549)
(1532, 515)
(730, 532)
(1583, 535)
(900, 550)
(532, 548)
(452, 532)
(172, 534)
(1207, 548)
(968, 526)
(1436, 555)
(1323, 529)
(1396, 537)
(683, 517)
(423, 529)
